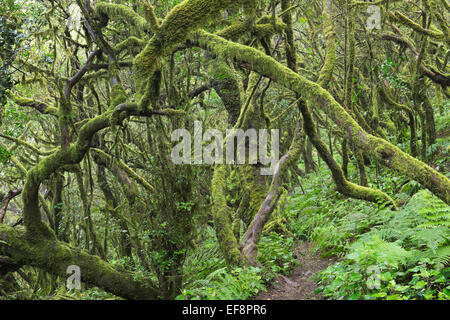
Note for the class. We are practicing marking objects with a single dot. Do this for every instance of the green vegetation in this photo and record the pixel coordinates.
(92, 94)
(384, 254)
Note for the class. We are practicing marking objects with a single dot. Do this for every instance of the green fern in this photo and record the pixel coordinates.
(441, 257)
(409, 247)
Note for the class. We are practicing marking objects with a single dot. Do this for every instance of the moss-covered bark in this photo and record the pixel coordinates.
(123, 12)
(412, 120)
(250, 240)
(91, 236)
(55, 256)
(385, 152)
(225, 82)
(222, 218)
(111, 207)
(39, 243)
(38, 246)
(181, 20)
(38, 105)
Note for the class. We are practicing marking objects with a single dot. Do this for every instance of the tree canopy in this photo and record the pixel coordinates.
(91, 92)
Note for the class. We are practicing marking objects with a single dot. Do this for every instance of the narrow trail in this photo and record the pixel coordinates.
(297, 286)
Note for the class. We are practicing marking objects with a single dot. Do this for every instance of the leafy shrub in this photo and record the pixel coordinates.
(237, 284)
(208, 278)
(322, 216)
(276, 253)
(405, 257)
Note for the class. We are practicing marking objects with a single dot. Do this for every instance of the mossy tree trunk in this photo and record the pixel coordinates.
(388, 154)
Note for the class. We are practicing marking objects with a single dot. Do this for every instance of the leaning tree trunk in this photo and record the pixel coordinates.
(388, 154)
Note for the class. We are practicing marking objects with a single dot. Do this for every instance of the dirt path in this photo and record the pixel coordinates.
(297, 286)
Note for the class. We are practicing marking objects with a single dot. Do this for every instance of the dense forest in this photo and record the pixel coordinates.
(116, 116)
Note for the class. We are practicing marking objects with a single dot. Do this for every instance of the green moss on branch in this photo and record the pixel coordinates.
(222, 218)
(54, 257)
(123, 12)
(382, 150)
(181, 20)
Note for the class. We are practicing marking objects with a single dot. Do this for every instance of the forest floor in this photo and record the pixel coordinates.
(298, 286)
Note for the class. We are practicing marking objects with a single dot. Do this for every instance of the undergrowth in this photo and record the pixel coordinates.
(208, 278)
(384, 254)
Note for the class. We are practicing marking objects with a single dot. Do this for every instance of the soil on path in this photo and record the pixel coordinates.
(298, 286)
